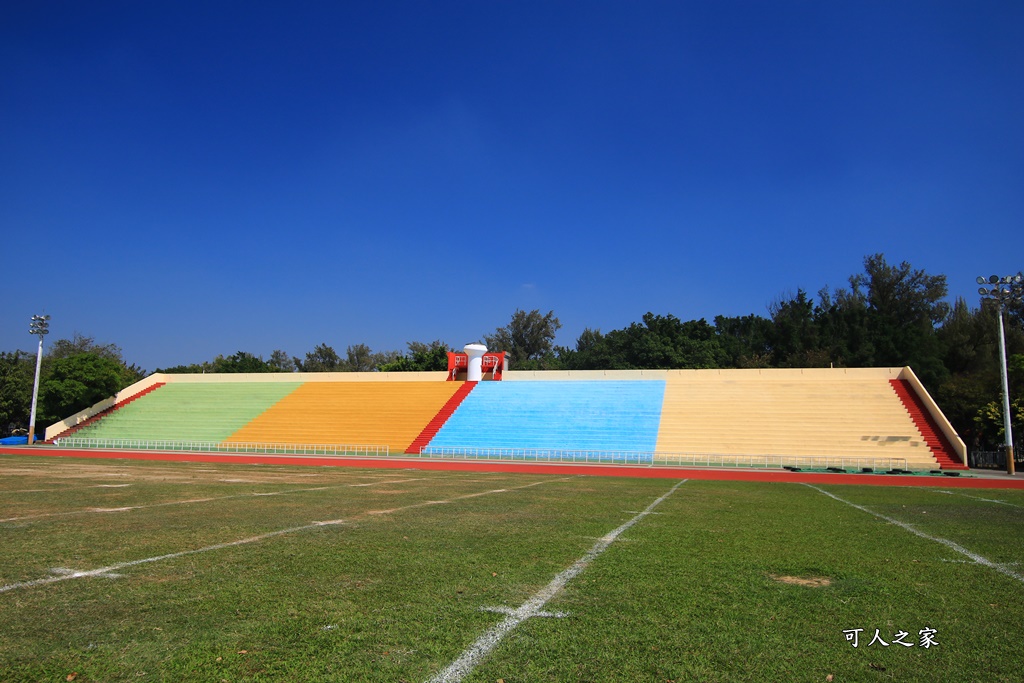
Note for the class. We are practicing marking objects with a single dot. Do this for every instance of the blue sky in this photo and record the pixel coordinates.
(195, 178)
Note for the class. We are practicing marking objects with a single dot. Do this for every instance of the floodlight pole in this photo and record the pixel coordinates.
(1004, 290)
(1007, 417)
(39, 326)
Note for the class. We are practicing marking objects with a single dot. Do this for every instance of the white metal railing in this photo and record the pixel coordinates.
(221, 447)
(645, 458)
(666, 459)
(848, 463)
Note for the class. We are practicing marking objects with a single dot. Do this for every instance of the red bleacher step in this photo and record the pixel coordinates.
(434, 426)
(936, 441)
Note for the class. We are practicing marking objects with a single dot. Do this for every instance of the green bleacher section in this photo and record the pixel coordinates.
(190, 412)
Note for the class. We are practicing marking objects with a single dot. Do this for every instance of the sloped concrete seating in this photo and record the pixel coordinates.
(849, 414)
(771, 415)
(557, 415)
(190, 412)
(350, 413)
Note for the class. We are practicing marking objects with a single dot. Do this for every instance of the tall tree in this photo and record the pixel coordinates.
(79, 343)
(659, 342)
(420, 358)
(589, 346)
(322, 358)
(241, 361)
(17, 372)
(528, 336)
(78, 381)
(904, 307)
(746, 341)
(281, 361)
(358, 358)
(794, 338)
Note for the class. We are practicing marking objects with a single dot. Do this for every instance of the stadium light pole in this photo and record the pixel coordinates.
(1004, 290)
(40, 326)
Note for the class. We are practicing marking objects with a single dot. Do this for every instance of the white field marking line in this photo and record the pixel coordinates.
(986, 500)
(106, 571)
(65, 575)
(476, 652)
(126, 508)
(978, 559)
(71, 488)
(393, 481)
(460, 498)
(64, 571)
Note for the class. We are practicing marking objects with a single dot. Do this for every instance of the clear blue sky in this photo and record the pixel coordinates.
(191, 178)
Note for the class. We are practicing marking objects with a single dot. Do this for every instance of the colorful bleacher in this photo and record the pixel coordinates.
(770, 415)
(669, 416)
(209, 411)
(350, 413)
(550, 416)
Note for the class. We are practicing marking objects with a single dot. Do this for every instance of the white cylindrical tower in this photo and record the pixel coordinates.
(474, 370)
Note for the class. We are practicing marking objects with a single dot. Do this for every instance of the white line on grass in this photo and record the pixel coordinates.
(126, 508)
(1001, 568)
(476, 652)
(986, 500)
(463, 497)
(65, 574)
(70, 488)
(106, 571)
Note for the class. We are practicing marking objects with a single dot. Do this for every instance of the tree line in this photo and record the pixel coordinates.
(75, 374)
(888, 315)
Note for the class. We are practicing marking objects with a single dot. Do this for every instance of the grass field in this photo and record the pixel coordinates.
(118, 570)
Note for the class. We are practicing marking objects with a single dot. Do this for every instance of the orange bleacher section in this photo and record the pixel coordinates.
(350, 413)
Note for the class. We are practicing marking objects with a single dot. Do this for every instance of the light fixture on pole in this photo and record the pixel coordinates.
(40, 326)
(1004, 290)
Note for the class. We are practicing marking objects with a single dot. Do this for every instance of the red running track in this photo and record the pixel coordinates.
(652, 472)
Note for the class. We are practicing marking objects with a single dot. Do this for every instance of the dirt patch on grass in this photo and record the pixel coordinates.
(73, 474)
(808, 581)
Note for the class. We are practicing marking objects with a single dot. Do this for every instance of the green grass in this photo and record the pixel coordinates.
(694, 592)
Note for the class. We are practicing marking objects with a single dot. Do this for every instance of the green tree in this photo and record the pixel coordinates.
(381, 358)
(281, 361)
(78, 381)
(421, 357)
(989, 420)
(840, 319)
(528, 336)
(587, 355)
(322, 358)
(745, 341)
(17, 373)
(904, 306)
(78, 344)
(358, 358)
(659, 342)
(969, 342)
(794, 338)
(190, 369)
(241, 361)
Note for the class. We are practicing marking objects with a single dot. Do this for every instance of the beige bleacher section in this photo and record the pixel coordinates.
(838, 414)
(350, 413)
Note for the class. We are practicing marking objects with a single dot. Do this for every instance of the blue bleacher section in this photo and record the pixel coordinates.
(605, 416)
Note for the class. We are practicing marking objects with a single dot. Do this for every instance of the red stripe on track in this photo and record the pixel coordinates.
(652, 472)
